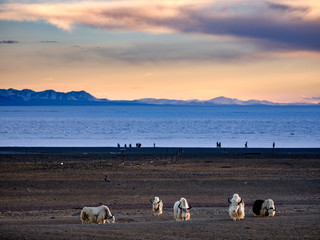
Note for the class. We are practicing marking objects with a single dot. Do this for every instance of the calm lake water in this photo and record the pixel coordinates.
(166, 126)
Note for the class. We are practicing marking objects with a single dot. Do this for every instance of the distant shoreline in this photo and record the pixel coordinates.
(28, 97)
(159, 151)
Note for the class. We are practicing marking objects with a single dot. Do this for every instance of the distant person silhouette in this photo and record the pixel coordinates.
(274, 145)
(106, 179)
(246, 145)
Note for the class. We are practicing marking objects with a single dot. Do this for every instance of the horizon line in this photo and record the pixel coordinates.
(315, 99)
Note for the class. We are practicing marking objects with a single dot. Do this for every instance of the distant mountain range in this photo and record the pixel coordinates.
(48, 97)
(214, 101)
(26, 97)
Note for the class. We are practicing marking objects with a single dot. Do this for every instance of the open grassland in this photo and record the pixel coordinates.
(41, 198)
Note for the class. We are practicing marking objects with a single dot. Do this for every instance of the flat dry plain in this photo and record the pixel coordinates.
(41, 198)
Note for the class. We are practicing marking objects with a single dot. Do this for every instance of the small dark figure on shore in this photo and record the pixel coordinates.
(138, 145)
(118, 145)
(125, 145)
(130, 145)
(219, 144)
(246, 145)
(154, 145)
(106, 179)
(274, 145)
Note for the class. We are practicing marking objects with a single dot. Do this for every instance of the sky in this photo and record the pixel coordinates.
(175, 49)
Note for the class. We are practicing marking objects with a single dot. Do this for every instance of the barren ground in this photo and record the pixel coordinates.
(40, 198)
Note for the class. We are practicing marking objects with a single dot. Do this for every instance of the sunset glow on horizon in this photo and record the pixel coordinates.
(125, 49)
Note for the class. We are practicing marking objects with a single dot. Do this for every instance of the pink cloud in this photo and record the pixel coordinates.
(273, 25)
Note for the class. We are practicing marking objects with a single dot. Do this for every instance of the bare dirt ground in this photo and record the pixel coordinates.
(40, 198)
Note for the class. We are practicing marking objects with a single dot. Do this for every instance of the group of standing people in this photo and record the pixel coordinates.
(125, 145)
(218, 145)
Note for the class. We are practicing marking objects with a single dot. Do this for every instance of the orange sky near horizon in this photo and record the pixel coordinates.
(210, 50)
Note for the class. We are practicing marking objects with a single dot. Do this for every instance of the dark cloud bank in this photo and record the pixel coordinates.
(9, 42)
